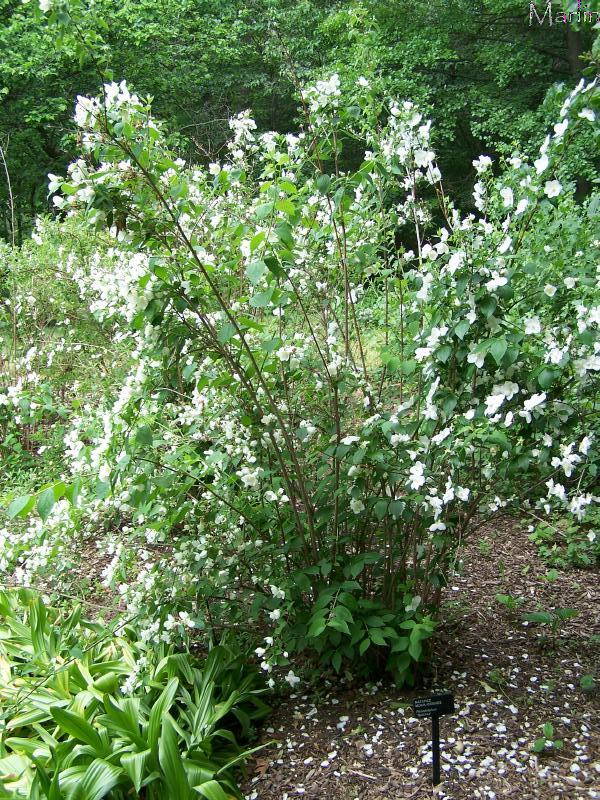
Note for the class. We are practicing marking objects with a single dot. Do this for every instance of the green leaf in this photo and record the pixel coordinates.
(566, 613)
(587, 683)
(415, 648)
(317, 627)
(396, 508)
(45, 503)
(171, 762)
(144, 436)
(99, 778)
(339, 625)
(323, 183)
(255, 270)
(72, 491)
(134, 765)
(212, 791)
(461, 329)
(376, 637)
(286, 206)
(102, 490)
(542, 617)
(381, 507)
(261, 299)
(159, 710)
(443, 353)
(548, 730)
(488, 305)
(21, 506)
(547, 377)
(226, 332)
(37, 623)
(336, 660)
(78, 728)
(497, 349)
(264, 210)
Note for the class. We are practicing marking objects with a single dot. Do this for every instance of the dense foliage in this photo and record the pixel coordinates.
(89, 710)
(263, 371)
(480, 69)
(310, 455)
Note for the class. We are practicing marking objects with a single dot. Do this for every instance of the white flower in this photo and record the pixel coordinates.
(561, 127)
(493, 403)
(541, 164)
(505, 246)
(534, 401)
(496, 281)
(476, 358)
(285, 353)
(357, 505)
(45, 5)
(521, 206)
(350, 439)
(363, 82)
(416, 478)
(437, 526)
(455, 261)
(506, 193)
(508, 389)
(292, 679)
(552, 188)
(275, 614)
(423, 158)
(500, 393)
(532, 325)
(482, 163)
(585, 444)
(549, 290)
(54, 183)
(439, 437)
(427, 251)
(556, 490)
(587, 113)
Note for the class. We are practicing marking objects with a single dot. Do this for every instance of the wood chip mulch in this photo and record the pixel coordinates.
(337, 742)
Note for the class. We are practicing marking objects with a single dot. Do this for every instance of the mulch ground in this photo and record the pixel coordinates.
(336, 742)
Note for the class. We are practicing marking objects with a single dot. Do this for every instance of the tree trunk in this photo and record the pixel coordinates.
(574, 51)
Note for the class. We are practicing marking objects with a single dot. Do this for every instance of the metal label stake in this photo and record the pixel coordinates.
(435, 706)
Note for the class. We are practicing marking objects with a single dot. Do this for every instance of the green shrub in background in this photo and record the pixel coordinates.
(54, 354)
(88, 711)
(563, 542)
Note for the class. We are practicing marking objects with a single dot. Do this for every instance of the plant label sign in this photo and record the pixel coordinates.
(437, 704)
(434, 707)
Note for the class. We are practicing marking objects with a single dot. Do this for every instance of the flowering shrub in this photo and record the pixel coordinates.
(298, 467)
(53, 350)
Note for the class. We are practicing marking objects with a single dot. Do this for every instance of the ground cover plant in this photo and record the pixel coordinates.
(89, 710)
